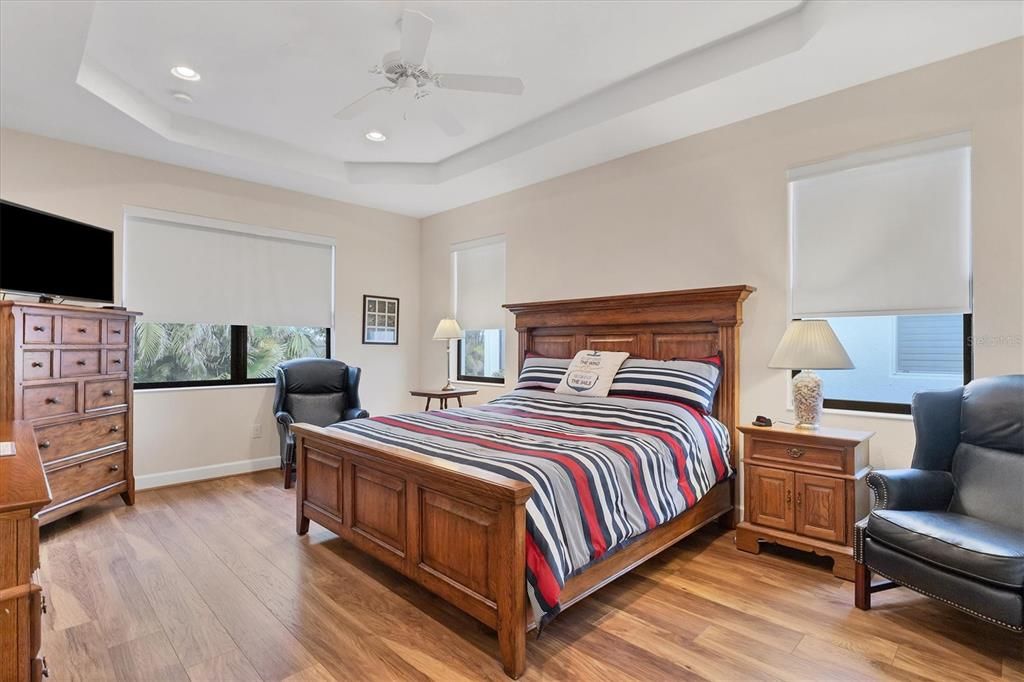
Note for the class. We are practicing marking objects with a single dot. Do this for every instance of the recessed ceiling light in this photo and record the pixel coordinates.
(375, 136)
(183, 97)
(185, 73)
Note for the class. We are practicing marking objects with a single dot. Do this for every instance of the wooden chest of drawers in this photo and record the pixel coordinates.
(23, 492)
(67, 370)
(804, 489)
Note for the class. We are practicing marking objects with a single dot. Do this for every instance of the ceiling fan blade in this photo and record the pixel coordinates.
(416, 28)
(361, 105)
(504, 85)
(444, 119)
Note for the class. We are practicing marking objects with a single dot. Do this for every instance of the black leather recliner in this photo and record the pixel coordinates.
(313, 391)
(952, 526)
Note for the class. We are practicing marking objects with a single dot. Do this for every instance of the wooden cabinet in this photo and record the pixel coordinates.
(804, 489)
(67, 370)
(23, 492)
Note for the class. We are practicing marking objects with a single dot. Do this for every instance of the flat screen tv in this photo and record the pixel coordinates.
(44, 254)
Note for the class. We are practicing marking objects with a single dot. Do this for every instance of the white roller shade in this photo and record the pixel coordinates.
(191, 269)
(884, 236)
(480, 284)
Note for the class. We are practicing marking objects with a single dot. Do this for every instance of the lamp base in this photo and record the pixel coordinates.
(808, 399)
(448, 386)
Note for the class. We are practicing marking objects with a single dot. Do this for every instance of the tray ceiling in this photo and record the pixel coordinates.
(602, 79)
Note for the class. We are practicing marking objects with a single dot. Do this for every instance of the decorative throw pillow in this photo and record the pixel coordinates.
(689, 382)
(541, 372)
(591, 373)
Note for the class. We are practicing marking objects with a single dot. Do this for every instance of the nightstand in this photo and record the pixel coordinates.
(443, 396)
(804, 489)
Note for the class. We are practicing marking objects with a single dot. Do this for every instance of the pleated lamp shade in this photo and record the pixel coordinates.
(810, 344)
(447, 329)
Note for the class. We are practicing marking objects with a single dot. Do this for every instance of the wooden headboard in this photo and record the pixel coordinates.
(692, 323)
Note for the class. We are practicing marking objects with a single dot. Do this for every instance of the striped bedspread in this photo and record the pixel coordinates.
(603, 470)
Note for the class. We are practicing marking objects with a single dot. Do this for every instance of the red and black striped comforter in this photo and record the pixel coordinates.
(603, 470)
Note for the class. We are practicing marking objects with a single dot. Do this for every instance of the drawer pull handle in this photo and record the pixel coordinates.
(107, 393)
(53, 401)
(116, 331)
(82, 330)
(37, 364)
(798, 500)
(45, 444)
(80, 362)
(116, 361)
(115, 428)
(789, 499)
(38, 328)
(114, 467)
(795, 453)
(42, 604)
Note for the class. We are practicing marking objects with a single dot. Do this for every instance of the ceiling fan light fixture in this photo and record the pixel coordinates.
(375, 136)
(185, 73)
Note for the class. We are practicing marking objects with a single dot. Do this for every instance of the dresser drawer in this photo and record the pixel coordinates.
(117, 361)
(792, 455)
(39, 329)
(102, 394)
(50, 400)
(77, 363)
(35, 620)
(80, 330)
(63, 440)
(74, 480)
(37, 364)
(117, 331)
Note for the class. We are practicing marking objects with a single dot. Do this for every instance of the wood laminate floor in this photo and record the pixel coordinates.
(208, 581)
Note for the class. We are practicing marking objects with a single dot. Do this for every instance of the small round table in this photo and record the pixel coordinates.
(443, 396)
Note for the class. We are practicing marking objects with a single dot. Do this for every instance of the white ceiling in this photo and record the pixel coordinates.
(603, 79)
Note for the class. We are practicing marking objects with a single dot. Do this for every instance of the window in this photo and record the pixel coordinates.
(482, 355)
(881, 248)
(895, 357)
(479, 292)
(176, 355)
(223, 303)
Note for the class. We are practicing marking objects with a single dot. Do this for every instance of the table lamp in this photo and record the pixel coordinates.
(448, 329)
(808, 345)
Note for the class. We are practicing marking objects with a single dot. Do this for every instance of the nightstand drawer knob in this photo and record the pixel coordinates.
(795, 453)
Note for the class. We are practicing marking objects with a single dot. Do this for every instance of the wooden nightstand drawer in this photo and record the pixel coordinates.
(790, 454)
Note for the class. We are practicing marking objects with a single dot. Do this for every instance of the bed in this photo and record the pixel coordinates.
(449, 498)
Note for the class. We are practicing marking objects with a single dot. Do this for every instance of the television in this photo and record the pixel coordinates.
(41, 253)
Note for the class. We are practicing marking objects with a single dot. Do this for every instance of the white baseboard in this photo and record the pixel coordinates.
(241, 466)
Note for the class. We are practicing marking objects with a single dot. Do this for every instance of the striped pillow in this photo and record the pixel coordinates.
(541, 372)
(689, 382)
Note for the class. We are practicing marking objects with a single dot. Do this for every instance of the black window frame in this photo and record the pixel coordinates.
(459, 376)
(239, 345)
(904, 408)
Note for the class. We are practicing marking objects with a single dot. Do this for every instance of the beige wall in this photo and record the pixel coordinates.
(184, 429)
(711, 209)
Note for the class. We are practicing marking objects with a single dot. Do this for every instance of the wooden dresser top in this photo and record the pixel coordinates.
(23, 484)
(67, 308)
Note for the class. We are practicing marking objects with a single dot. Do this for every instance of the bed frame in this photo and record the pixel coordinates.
(460, 532)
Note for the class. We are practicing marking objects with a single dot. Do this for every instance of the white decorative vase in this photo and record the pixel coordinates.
(807, 399)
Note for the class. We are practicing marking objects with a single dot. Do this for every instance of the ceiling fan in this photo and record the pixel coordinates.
(407, 72)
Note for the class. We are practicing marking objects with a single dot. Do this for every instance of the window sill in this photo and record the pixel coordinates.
(164, 389)
(863, 413)
(488, 384)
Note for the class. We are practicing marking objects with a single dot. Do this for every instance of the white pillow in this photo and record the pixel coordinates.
(591, 373)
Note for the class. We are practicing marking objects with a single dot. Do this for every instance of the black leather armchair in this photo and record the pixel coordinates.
(952, 526)
(313, 391)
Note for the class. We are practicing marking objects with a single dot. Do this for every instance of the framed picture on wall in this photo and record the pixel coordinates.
(380, 320)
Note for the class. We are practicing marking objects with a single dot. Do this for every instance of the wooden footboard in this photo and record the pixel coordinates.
(456, 531)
